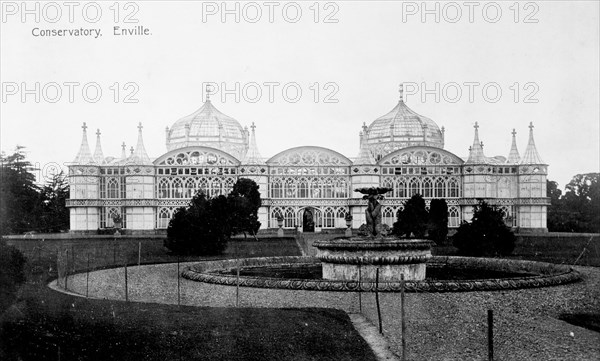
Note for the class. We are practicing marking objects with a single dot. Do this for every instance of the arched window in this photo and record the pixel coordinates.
(315, 189)
(190, 187)
(389, 183)
(439, 188)
(215, 187)
(453, 190)
(388, 216)
(112, 188)
(318, 218)
(229, 185)
(112, 213)
(289, 218)
(164, 188)
(341, 188)
(203, 186)
(453, 216)
(290, 188)
(340, 218)
(275, 213)
(164, 216)
(177, 188)
(413, 187)
(328, 218)
(302, 188)
(276, 189)
(427, 188)
(400, 190)
(328, 188)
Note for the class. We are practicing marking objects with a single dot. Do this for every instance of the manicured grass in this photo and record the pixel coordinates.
(48, 325)
(583, 250)
(590, 321)
(83, 329)
(562, 249)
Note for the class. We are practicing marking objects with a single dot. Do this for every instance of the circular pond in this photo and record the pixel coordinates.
(444, 274)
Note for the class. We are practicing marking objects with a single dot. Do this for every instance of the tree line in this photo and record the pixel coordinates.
(26, 206)
(578, 209)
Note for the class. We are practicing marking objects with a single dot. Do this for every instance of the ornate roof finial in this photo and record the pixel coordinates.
(131, 150)
(513, 154)
(84, 156)
(140, 155)
(207, 92)
(476, 155)
(252, 155)
(123, 146)
(531, 155)
(98, 154)
(401, 91)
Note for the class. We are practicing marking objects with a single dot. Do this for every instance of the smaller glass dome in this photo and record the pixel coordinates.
(401, 128)
(209, 127)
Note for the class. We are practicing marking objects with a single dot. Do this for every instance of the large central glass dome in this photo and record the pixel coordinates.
(209, 127)
(401, 128)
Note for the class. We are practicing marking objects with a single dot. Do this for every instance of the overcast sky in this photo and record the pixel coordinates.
(542, 56)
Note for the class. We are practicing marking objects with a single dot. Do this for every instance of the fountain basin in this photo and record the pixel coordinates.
(533, 274)
(351, 258)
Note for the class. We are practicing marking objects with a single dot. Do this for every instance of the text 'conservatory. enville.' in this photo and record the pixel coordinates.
(311, 187)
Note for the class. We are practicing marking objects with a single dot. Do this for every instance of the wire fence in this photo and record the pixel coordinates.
(408, 320)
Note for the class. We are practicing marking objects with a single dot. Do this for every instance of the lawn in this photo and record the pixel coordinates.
(44, 324)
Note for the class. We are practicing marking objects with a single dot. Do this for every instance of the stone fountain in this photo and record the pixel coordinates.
(348, 258)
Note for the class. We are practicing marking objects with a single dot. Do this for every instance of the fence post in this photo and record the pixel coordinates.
(126, 295)
(359, 289)
(178, 284)
(490, 335)
(66, 270)
(403, 319)
(87, 277)
(377, 300)
(140, 254)
(237, 286)
(114, 250)
(57, 267)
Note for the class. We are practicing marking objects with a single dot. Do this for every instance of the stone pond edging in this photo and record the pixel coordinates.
(547, 274)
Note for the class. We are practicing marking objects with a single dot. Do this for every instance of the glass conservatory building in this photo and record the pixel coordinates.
(312, 188)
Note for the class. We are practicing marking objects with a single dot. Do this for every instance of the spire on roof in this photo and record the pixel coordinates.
(364, 155)
(84, 156)
(123, 152)
(98, 154)
(476, 155)
(140, 156)
(513, 155)
(253, 155)
(531, 155)
(401, 91)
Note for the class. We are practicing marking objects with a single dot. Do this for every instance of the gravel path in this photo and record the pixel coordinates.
(440, 326)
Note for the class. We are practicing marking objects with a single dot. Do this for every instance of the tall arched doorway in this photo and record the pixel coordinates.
(308, 221)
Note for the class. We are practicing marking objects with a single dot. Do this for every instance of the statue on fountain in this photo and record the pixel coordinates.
(373, 212)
